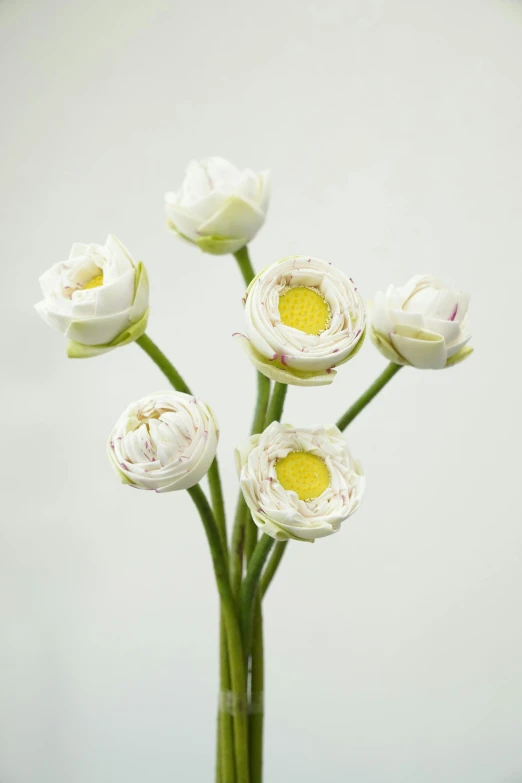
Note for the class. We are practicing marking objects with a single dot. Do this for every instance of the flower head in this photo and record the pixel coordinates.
(423, 324)
(299, 483)
(218, 207)
(165, 441)
(99, 298)
(303, 318)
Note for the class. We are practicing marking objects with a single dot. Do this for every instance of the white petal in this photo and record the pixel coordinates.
(380, 318)
(419, 347)
(115, 297)
(264, 187)
(185, 222)
(97, 331)
(56, 320)
(456, 347)
(236, 218)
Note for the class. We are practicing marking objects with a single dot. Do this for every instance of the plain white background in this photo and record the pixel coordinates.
(393, 131)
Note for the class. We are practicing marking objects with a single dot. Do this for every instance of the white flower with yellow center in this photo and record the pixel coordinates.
(99, 298)
(423, 324)
(165, 442)
(299, 483)
(303, 318)
(218, 207)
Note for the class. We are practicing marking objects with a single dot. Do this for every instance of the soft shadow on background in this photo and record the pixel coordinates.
(393, 131)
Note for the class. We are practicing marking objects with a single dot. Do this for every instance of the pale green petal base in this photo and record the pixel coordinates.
(460, 356)
(279, 373)
(389, 352)
(80, 351)
(217, 246)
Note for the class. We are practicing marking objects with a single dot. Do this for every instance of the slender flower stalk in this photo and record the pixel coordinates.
(159, 358)
(237, 545)
(218, 505)
(226, 770)
(257, 682)
(247, 270)
(233, 632)
(244, 533)
(365, 398)
(277, 402)
(272, 566)
(250, 536)
(263, 396)
(250, 586)
(263, 393)
(256, 718)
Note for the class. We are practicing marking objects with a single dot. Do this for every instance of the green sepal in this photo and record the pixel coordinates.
(131, 334)
(215, 245)
(460, 356)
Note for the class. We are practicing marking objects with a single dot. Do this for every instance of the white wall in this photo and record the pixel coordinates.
(393, 131)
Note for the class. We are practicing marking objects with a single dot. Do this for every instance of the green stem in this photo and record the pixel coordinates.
(233, 632)
(168, 369)
(272, 566)
(237, 545)
(251, 604)
(245, 265)
(226, 772)
(250, 585)
(249, 588)
(250, 536)
(255, 719)
(218, 505)
(378, 384)
(238, 531)
(244, 532)
(263, 396)
(225, 755)
(159, 358)
(277, 401)
(225, 743)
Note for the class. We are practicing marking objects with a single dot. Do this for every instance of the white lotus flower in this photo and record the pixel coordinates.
(303, 318)
(165, 442)
(299, 483)
(218, 207)
(99, 298)
(423, 324)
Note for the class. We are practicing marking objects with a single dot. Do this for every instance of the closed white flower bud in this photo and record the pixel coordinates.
(165, 442)
(218, 207)
(303, 318)
(299, 483)
(99, 298)
(423, 324)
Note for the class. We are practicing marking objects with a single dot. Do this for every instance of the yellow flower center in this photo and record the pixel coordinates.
(303, 473)
(95, 281)
(305, 309)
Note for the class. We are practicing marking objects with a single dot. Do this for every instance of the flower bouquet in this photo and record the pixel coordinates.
(304, 320)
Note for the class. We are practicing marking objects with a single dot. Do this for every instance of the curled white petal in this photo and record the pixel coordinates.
(279, 512)
(307, 359)
(423, 324)
(218, 207)
(165, 442)
(101, 316)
